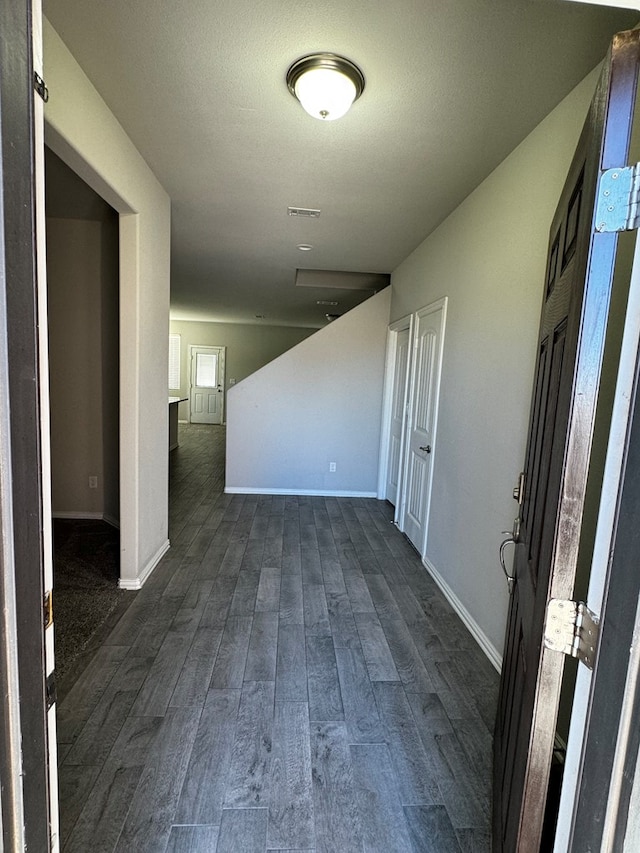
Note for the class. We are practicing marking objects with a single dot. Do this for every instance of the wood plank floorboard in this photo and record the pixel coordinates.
(377, 795)
(291, 822)
(289, 678)
(248, 779)
(337, 819)
(204, 787)
(195, 839)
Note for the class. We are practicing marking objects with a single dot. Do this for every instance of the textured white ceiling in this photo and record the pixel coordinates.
(451, 87)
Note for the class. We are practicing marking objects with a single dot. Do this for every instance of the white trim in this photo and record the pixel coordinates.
(137, 583)
(45, 411)
(53, 776)
(110, 519)
(321, 493)
(404, 324)
(480, 637)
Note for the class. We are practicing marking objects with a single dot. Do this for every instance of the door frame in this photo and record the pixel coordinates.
(404, 324)
(607, 532)
(26, 800)
(193, 347)
(411, 322)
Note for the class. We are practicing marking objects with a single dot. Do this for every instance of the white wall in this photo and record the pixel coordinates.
(488, 257)
(86, 135)
(248, 348)
(318, 403)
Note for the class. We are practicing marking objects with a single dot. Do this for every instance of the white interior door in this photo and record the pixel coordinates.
(207, 385)
(423, 408)
(398, 416)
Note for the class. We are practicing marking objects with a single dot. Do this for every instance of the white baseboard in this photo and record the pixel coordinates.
(110, 519)
(480, 637)
(321, 493)
(137, 583)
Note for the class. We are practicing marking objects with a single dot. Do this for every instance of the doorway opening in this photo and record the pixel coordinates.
(83, 328)
(414, 368)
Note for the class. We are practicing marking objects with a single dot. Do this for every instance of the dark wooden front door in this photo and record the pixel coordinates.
(577, 291)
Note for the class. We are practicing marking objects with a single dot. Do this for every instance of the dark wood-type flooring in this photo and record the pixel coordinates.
(289, 678)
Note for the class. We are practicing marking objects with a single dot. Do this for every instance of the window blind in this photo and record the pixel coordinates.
(174, 362)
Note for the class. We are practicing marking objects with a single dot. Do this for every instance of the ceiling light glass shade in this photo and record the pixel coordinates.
(325, 84)
(325, 94)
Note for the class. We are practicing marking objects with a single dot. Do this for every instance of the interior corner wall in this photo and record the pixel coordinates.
(110, 343)
(318, 403)
(248, 348)
(80, 128)
(489, 258)
(74, 285)
(82, 289)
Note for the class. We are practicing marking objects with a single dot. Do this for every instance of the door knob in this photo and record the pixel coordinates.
(426, 448)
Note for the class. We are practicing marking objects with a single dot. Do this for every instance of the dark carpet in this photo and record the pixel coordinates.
(86, 597)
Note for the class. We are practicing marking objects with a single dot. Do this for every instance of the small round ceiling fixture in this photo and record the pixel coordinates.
(305, 247)
(325, 84)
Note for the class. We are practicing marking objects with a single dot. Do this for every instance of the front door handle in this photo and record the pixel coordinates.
(510, 578)
(426, 448)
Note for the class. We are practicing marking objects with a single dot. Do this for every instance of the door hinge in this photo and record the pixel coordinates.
(571, 628)
(617, 201)
(48, 609)
(39, 86)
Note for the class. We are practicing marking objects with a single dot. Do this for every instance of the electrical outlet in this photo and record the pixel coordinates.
(93, 482)
(332, 467)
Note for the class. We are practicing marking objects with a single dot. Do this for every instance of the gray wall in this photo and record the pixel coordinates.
(320, 402)
(249, 347)
(82, 274)
(489, 258)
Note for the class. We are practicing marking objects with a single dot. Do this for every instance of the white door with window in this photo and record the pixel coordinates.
(206, 395)
(423, 408)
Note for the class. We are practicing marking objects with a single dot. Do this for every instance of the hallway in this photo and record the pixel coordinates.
(289, 678)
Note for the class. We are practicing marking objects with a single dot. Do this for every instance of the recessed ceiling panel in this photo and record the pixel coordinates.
(342, 280)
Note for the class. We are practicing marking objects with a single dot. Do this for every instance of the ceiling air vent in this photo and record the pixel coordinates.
(307, 212)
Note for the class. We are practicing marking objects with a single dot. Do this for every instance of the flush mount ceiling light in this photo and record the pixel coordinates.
(325, 84)
(305, 247)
